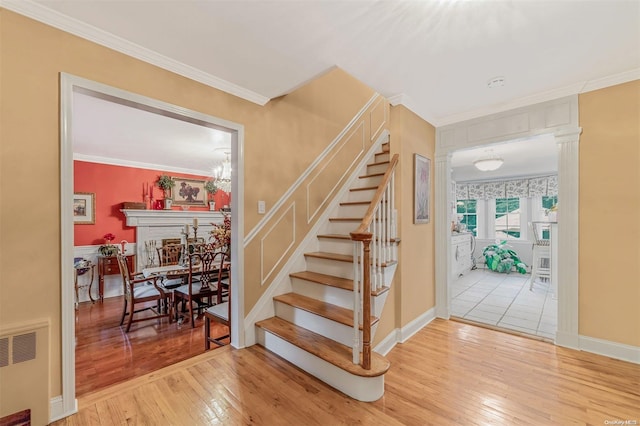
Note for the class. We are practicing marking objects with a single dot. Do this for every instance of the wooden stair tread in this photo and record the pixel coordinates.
(342, 257)
(345, 219)
(329, 280)
(348, 237)
(324, 348)
(378, 163)
(318, 307)
(330, 256)
(371, 175)
(365, 188)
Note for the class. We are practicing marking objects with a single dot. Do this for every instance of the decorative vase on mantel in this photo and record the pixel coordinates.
(212, 206)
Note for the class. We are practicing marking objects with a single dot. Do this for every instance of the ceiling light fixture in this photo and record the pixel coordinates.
(496, 82)
(222, 175)
(488, 164)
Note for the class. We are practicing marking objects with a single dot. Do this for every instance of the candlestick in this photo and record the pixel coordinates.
(195, 222)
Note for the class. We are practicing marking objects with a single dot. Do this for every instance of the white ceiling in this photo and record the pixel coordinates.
(433, 56)
(528, 157)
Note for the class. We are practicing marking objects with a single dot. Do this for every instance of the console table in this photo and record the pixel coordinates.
(108, 265)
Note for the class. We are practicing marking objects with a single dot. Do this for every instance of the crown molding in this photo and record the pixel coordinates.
(612, 80)
(73, 26)
(137, 164)
(574, 89)
(405, 101)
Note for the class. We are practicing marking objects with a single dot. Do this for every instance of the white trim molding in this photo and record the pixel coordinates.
(611, 349)
(73, 26)
(401, 335)
(559, 118)
(68, 84)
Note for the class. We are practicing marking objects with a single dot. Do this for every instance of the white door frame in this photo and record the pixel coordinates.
(559, 118)
(67, 404)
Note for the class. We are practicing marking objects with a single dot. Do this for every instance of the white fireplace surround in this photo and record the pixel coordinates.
(156, 225)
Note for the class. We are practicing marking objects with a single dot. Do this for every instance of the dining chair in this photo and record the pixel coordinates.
(139, 292)
(220, 312)
(541, 265)
(202, 283)
(171, 254)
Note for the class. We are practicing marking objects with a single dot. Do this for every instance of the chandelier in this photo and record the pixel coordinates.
(222, 175)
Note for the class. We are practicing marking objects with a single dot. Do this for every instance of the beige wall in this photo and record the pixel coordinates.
(281, 140)
(609, 227)
(413, 292)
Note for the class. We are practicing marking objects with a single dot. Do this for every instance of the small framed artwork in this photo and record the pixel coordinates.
(189, 192)
(84, 208)
(422, 189)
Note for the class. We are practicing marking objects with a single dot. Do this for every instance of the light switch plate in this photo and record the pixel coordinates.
(261, 207)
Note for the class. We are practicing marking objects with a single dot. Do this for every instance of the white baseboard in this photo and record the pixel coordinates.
(401, 335)
(56, 408)
(567, 340)
(611, 349)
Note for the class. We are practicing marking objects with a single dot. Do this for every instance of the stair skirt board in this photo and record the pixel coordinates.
(341, 333)
(366, 389)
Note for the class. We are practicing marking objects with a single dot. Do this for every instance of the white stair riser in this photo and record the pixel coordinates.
(353, 210)
(330, 267)
(320, 325)
(361, 195)
(333, 245)
(326, 293)
(377, 304)
(382, 157)
(365, 389)
(368, 181)
(377, 168)
(343, 227)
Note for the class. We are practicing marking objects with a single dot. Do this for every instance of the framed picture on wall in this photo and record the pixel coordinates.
(422, 189)
(84, 208)
(189, 192)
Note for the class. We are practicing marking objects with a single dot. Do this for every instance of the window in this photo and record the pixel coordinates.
(507, 223)
(467, 213)
(548, 202)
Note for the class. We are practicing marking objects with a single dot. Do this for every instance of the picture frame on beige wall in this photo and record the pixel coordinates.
(84, 208)
(422, 189)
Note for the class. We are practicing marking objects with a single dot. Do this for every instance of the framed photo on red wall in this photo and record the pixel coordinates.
(84, 208)
(189, 192)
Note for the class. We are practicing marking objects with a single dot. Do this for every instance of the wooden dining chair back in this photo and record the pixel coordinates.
(138, 292)
(170, 254)
(201, 286)
(220, 312)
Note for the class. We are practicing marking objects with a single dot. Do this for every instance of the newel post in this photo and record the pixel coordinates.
(365, 238)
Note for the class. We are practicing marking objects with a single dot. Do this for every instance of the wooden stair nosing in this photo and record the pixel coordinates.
(364, 188)
(328, 280)
(318, 307)
(324, 348)
(345, 219)
(333, 281)
(348, 237)
(343, 257)
(378, 163)
(356, 203)
(371, 175)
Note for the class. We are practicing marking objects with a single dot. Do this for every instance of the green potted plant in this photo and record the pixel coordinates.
(501, 258)
(108, 249)
(166, 183)
(211, 188)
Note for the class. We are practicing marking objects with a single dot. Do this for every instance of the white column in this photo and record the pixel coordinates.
(443, 209)
(568, 186)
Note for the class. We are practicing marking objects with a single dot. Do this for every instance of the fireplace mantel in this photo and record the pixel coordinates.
(170, 217)
(152, 226)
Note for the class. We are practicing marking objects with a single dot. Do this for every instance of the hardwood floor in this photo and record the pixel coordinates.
(448, 373)
(106, 355)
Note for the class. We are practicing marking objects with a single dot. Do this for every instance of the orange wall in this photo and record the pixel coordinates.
(113, 185)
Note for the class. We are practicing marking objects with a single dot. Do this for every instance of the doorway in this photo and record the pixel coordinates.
(68, 86)
(492, 209)
(559, 118)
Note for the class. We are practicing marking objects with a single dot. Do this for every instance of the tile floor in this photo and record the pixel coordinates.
(505, 301)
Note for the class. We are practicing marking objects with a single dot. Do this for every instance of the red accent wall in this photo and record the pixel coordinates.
(113, 185)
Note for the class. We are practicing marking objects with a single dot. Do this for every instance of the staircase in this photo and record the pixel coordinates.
(323, 326)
